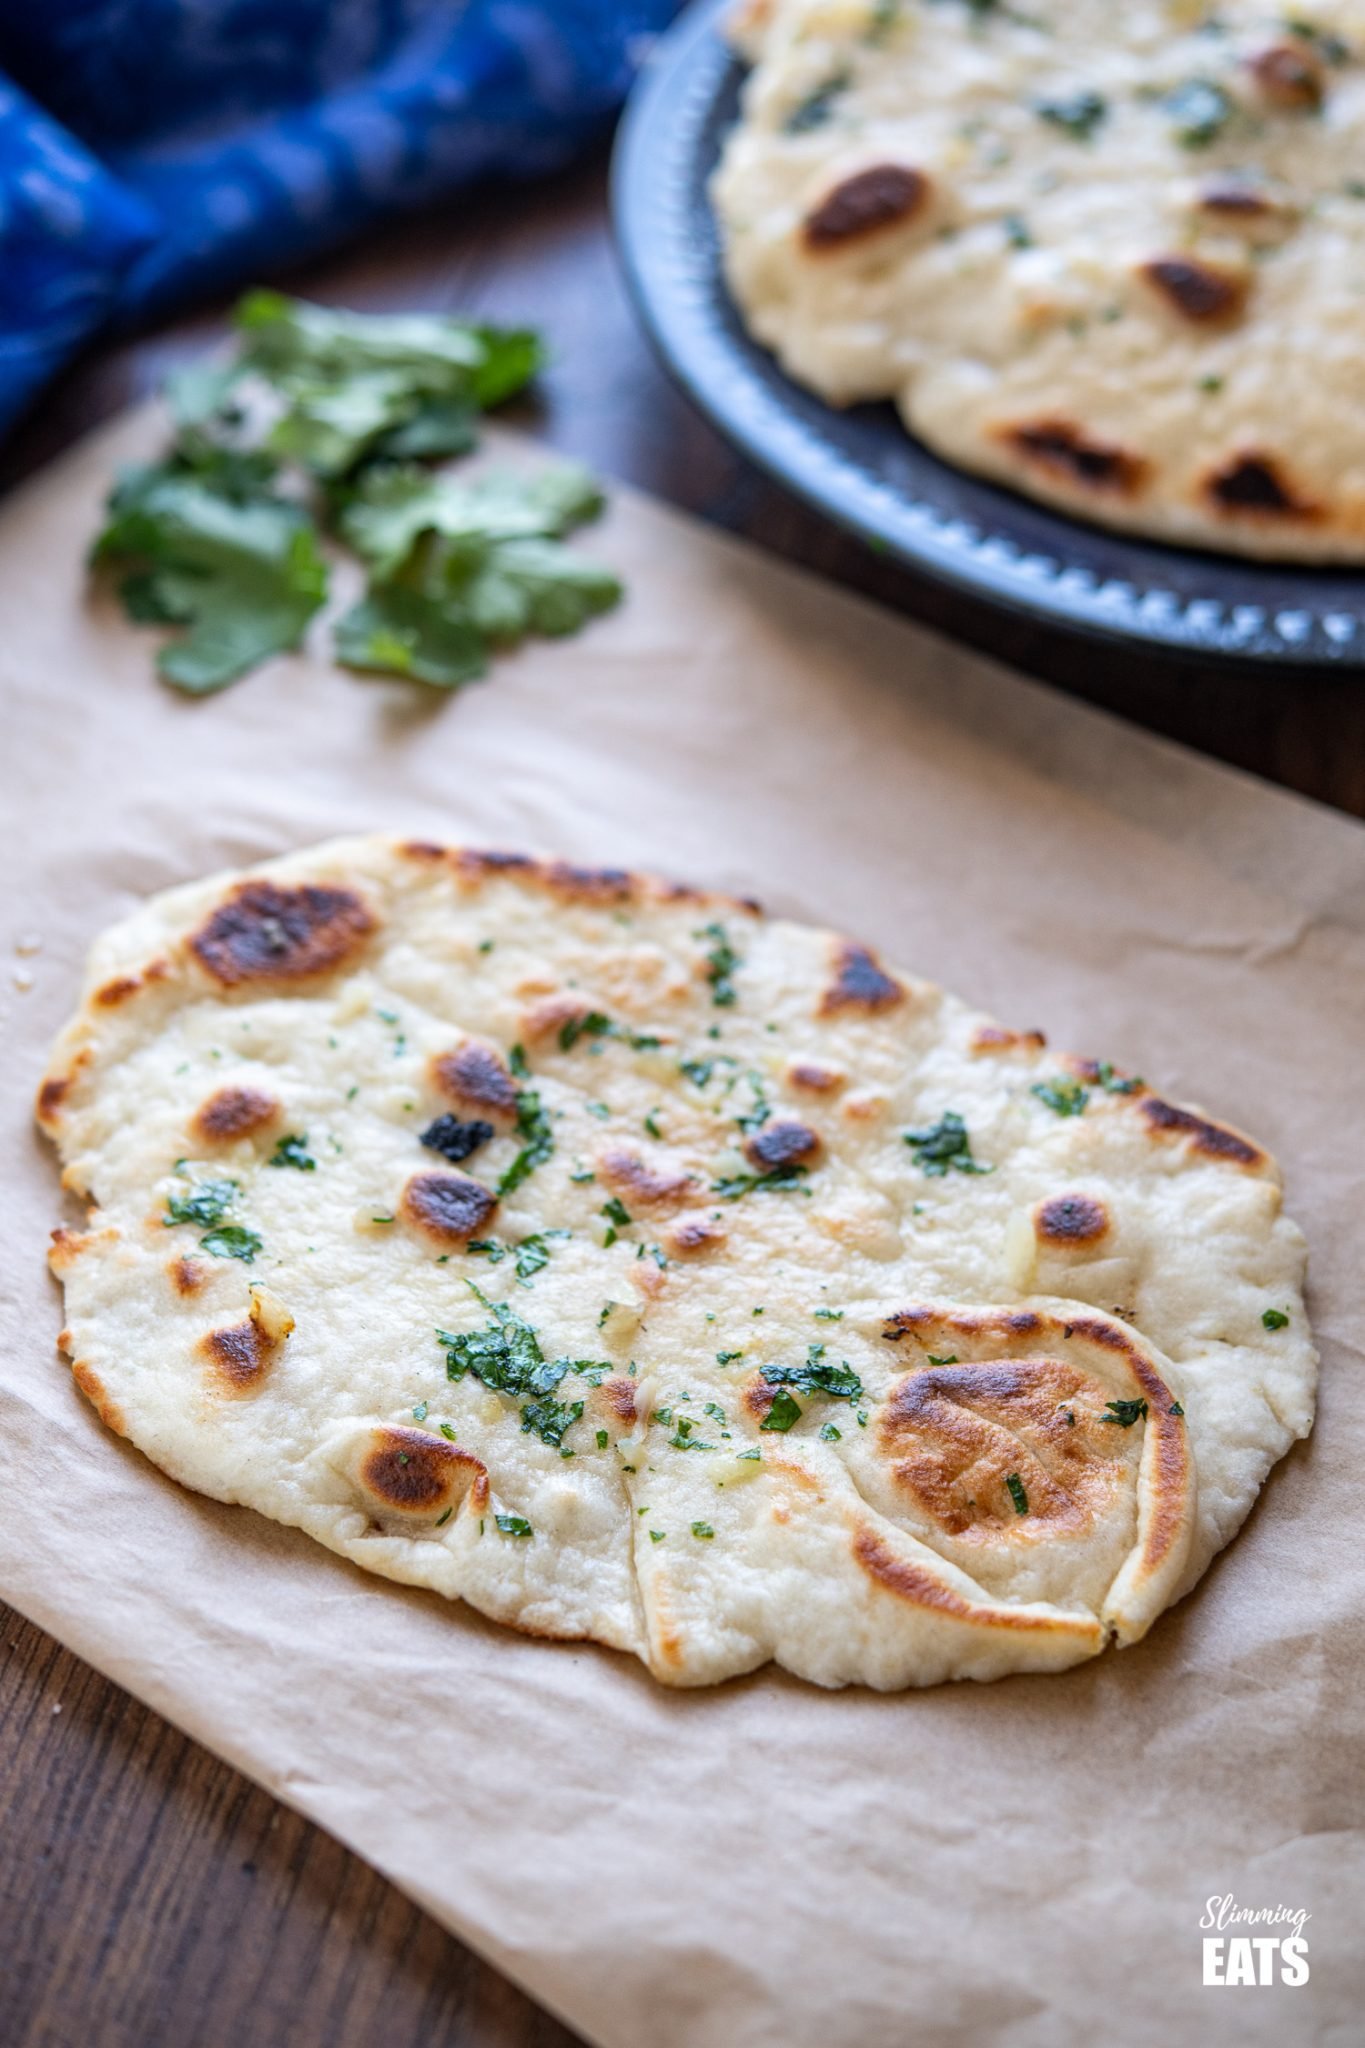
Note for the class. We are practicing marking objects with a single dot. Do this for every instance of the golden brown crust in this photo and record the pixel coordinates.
(954, 1436)
(449, 1208)
(264, 932)
(93, 1388)
(921, 1588)
(233, 1112)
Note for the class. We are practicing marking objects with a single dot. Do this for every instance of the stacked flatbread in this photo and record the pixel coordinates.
(639, 1268)
(1112, 255)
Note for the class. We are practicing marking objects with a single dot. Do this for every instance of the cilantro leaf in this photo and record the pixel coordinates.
(358, 385)
(513, 1525)
(212, 550)
(1124, 1413)
(783, 1412)
(1063, 1097)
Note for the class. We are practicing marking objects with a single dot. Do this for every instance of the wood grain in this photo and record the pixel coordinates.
(149, 1895)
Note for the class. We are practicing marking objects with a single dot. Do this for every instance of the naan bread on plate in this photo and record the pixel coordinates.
(1111, 255)
(637, 1267)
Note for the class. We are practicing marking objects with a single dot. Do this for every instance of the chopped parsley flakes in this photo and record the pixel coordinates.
(1124, 1413)
(1017, 1493)
(839, 1382)
(721, 962)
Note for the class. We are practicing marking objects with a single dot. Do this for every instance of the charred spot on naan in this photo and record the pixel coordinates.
(233, 1112)
(475, 1076)
(782, 1143)
(997, 1038)
(449, 1208)
(238, 1358)
(1204, 293)
(860, 983)
(1252, 484)
(267, 933)
(188, 1276)
(814, 1078)
(863, 206)
(653, 1180)
(1289, 76)
(1213, 1141)
(618, 1397)
(692, 1236)
(1072, 1221)
(1062, 449)
(410, 1473)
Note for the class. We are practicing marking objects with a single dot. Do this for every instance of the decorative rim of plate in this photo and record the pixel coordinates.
(670, 251)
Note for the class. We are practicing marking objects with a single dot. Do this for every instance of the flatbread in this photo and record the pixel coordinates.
(1111, 255)
(637, 1267)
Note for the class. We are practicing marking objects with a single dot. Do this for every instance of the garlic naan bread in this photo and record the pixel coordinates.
(637, 1267)
(1113, 255)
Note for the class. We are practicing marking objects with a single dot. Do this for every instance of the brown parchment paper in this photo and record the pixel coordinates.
(1024, 1863)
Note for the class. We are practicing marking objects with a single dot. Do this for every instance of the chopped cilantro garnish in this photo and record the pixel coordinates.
(602, 1439)
(778, 1180)
(721, 962)
(698, 1072)
(550, 1418)
(817, 107)
(1078, 113)
(1124, 1413)
(207, 1202)
(444, 1517)
(1175, 1409)
(1063, 1097)
(829, 1315)
(513, 1525)
(446, 1431)
(292, 1150)
(829, 1434)
(1117, 1084)
(1017, 1493)
(1198, 111)
(839, 1382)
(949, 1359)
(533, 1127)
(1274, 1318)
(516, 1063)
(657, 1535)
(943, 1145)
(419, 1413)
(702, 1530)
(728, 1357)
(651, 1124)
(783, 1412)
(232, 1241)
(593, 1024)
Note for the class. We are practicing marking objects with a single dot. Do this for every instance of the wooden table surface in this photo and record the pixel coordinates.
(150, 1897)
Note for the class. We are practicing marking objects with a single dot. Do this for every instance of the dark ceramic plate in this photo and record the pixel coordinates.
(863, 470)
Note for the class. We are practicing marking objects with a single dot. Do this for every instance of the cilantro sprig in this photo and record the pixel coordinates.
(320, 425)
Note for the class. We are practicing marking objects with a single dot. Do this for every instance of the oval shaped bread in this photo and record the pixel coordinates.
(637, 1267)
(1112, 256)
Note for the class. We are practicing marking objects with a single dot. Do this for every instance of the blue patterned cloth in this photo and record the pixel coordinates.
(155, 150)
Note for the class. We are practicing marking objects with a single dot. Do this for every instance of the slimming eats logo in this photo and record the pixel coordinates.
(1253, 1958)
